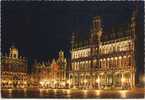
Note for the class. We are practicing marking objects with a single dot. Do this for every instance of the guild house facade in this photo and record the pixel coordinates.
(103, 63)
(50, 75)
(13, 70)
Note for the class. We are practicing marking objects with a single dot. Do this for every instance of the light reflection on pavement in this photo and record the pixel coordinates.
(72, 93)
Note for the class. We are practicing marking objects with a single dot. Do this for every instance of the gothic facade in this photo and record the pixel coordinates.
(50, 75)
(102, 63)
(13, 70)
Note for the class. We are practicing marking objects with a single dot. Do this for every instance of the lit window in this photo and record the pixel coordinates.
(94, 62)
(120, 57)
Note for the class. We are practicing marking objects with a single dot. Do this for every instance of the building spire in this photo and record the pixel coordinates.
(13, 53)
(73, 40)
(133, 25)
(96, 31)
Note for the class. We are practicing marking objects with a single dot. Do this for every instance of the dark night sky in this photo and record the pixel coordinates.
(41, 29)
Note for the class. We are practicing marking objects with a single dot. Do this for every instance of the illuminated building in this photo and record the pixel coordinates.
(40, 74)
(55, 73)
(62, 63)
(13, 70)
(104, 63)
(50, 75)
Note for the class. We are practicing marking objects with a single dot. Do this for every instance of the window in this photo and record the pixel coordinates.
(94, 62)
(86, 67)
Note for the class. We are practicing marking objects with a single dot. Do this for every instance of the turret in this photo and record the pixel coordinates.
(133, 24)
(61, 54)
(73, 40)
(61, 61)
(13, 53)
(97, 29)
(53, 62)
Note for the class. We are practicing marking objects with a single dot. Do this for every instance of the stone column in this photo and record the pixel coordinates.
(122, 83)
(105, 79)
(113, 80)
(99, 81)
(73, 79)
(91, 80)
(78, 79)
(120, 60)
(133, 79)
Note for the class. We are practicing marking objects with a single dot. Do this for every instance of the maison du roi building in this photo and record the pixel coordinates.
(13, 70)
(100, 63)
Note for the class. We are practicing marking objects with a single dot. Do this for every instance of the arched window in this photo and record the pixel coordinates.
(86, 65)
(100, 49)
(100, 63)
(129, 60)
(94, 62)
(120, 61)
(73, 66)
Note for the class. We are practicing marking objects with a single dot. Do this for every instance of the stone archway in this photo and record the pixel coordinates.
(108, 81)
(15, 81)
(71, 80)
(97, 80)
(71, 77)
(80, 81)
(117, 79)
(87, 80)
(102, 80)
(76, 80)
(127, 80)
(93, 80)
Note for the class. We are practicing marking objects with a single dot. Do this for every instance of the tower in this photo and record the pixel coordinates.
(13, 52)
(135, 29)
(61, 61)
(73, 40)
(61, 54)
(97, 29)
(95, 41)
